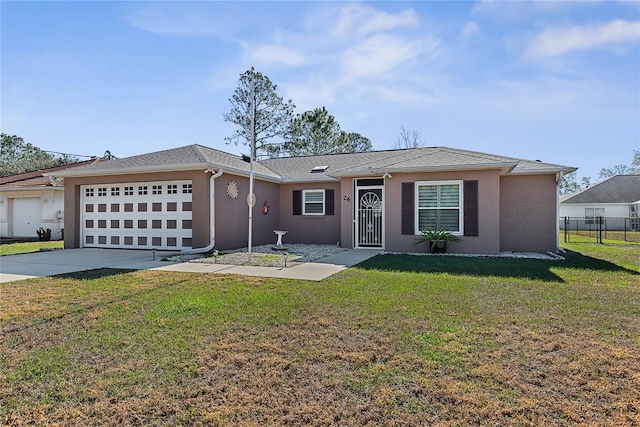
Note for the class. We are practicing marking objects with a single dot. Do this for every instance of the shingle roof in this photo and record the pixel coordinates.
(38, 178)
(617, 189)
(423, 159)
(299, 168)
(187, 157)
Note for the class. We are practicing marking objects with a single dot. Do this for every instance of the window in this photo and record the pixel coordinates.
(439, 206)
(157, 189)
(591, 214)
(142, 190)
(115, 191)
(186, 188)
(172, 189)
(102, 191)
(88, 192)
(313, 202)
(128, 191)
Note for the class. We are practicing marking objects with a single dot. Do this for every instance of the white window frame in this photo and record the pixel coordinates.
(460, 207)
(304, 202)
(591, 219)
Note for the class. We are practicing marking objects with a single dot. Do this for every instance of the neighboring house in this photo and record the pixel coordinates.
(196, 197)
(615, 197)
(31, 200)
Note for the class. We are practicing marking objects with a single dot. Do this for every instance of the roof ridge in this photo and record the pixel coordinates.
(197, 149)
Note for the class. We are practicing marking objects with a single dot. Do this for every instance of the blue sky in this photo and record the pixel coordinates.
(555, 81)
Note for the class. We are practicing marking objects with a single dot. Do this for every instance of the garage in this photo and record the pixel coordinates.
(26, 215)
(139, 215)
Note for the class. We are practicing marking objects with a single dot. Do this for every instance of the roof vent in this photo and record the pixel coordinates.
(245, 158)
(319, 169)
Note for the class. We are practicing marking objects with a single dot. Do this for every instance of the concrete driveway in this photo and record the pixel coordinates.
(49, 263)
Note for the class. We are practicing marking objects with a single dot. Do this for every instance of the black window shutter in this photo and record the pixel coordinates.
(470, 208)
(329, 202)
(408, 210)
(297, 202)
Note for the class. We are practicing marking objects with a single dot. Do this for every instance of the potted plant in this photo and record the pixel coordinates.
(437, 240)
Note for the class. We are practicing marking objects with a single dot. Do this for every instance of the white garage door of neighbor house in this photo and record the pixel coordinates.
(26, 216)
(138, 215)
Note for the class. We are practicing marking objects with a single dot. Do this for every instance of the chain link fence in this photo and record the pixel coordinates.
(600, 229)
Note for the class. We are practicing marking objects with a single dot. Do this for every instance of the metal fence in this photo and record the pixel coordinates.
(600, 229)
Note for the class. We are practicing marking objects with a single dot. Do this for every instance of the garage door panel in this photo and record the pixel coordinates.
(149, 215)
(26, 216)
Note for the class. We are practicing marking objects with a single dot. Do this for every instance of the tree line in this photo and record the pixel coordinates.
(18, 156)
(275, 129)
(278, 132)
(570, 182)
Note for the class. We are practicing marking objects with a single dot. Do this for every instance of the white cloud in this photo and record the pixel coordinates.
(377, 55)
(469, 29)
(182, 23)
(362, 20)
(274, 54)
(558, 41)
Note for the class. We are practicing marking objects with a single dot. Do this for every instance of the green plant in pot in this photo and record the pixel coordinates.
(437, 240)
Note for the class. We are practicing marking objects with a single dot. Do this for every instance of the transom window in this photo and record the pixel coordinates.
(313, 202)
(439, 206)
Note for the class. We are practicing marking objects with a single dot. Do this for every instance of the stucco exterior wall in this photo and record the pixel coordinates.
(528, 213)
(321, 229)
(200, 200)
(51, 201)
(347, 214)
(232, 215)
(488, 239)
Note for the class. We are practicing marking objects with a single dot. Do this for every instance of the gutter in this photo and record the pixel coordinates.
(212, 214)
(70, 173)
(442, 168)
(558, 182)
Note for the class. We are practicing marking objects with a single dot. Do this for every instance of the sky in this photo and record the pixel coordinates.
(552, 81)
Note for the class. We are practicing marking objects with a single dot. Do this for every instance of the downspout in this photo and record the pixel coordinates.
(212, 215)
(558, 183)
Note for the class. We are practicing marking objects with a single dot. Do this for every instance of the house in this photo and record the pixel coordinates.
(197, 197)
(615, 197)
(32, 200)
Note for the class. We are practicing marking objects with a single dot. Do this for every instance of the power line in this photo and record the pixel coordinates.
(68, 154)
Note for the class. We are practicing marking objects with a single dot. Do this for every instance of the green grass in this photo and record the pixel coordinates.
(27, 247)
(398, 340)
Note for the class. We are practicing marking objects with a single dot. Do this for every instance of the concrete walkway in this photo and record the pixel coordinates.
(50, 263)
(318, 270)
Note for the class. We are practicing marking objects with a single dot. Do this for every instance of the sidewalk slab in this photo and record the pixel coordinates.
(316, 271)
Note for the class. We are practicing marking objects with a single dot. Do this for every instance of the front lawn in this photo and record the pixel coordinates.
(26, 247)
(399, 340)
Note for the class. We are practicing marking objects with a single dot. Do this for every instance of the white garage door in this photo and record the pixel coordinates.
(26, 216)
(139, 215)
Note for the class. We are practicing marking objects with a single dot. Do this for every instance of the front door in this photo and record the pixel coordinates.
(369, 217)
